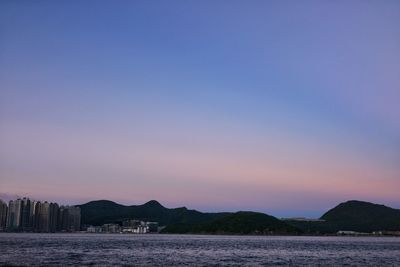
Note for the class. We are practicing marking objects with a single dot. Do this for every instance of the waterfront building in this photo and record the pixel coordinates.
(139, 227)
(130, 223)
(32, 214)
(35, 216)
(14, 215)
(63, 219)
(3, 215)
(94, 229)
(53, 217)
(69, 219)
(111, 228)
(74, 218)
(341, 232)
(44, 217)
(25, 214)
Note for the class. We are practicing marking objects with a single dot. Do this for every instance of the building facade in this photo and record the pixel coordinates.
(35, 216)
(25, 215)
(14, 215)
(3, 215)
(69, 219)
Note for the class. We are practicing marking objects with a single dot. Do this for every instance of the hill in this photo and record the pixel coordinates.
(105, 211)
(353, 215)
(183, 220)
(242, 222)
(363, 217)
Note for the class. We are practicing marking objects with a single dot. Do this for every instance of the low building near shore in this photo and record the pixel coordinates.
(352, 233)
(111, 228)
(386, 233)
(128, 226)
(94, 229)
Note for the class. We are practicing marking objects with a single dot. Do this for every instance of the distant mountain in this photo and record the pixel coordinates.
(183, 220)
(242, 222)
(363, 216)
(356, 216)
(351, 216)
(105, 211)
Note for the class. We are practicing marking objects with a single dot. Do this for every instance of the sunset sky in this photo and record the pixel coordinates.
(283, 107)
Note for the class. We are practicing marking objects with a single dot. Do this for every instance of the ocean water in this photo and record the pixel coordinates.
(195, 250)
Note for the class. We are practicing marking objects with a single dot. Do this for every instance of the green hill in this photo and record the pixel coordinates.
(104, 211)
(363, 217)
(242, 222)
(353, 215)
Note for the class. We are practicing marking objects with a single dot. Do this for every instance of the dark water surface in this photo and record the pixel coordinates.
(195, 250)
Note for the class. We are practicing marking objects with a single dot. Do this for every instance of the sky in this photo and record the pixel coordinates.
(282, 107)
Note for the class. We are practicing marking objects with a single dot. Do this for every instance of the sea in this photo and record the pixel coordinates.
(81, 249)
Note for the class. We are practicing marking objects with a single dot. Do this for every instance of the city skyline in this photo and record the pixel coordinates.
(26, 215)
(276, 107)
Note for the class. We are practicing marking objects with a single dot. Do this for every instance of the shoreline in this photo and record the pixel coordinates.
(199, 234)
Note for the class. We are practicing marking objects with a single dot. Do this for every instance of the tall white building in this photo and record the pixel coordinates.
(14, 214)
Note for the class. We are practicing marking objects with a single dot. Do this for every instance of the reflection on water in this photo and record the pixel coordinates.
(193, 250)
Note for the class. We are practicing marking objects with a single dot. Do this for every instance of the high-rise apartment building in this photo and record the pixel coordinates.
(36, 217)
(32, 214)
(69, 219)
(14, 215)
(44, 217)
(63, 219)
(74, 218)
(3, 215)
(53, 217)
(26, 215)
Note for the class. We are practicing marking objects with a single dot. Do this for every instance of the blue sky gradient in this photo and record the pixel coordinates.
(284, 107)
